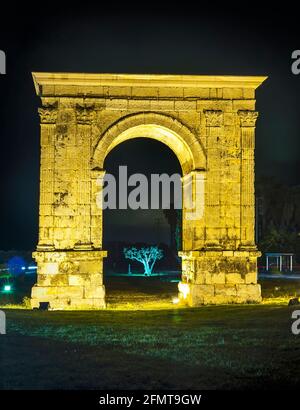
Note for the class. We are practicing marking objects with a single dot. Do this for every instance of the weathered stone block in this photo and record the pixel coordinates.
(225, 290)
(249, 293)
(234, 278)
(251, 277)
(51, 292)
(200, 278)
(90, 267)
(212, 278)
(185, 105)
(76, 280)
(53, 280)
(162, 105)
(139, 105)
(144, 92)
(218, 278)
(48, 268)
(233, 93)
(170, 92)
(196, 92)
(227, 253)
(224, 300)
(117, 104)
(200, 294)
(118, 91)
(94, 292)
(44, 294)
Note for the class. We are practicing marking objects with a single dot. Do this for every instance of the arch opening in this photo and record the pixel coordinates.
(124, 279)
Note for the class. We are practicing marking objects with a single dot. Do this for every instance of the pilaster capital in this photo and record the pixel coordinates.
(247, 118)
(85, 113)
(214, 118)
(48, 113)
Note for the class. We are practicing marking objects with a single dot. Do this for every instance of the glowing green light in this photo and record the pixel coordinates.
(7, 288)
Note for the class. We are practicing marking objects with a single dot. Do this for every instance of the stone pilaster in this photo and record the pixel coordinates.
(48, 117)
(97, 181)
(214, 122)
(85, 118)
(247, 123)
(193, 196)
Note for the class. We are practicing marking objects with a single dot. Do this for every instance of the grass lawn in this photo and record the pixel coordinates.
(228, 347)
(143, 341)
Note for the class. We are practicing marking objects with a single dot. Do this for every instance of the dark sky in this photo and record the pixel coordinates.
(153, 41)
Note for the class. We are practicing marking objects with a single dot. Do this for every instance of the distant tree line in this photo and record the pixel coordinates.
(277, 216)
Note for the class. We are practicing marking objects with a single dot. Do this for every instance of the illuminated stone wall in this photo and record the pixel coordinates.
(209, 122)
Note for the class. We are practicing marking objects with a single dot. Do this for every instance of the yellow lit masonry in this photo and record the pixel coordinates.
(209, 123)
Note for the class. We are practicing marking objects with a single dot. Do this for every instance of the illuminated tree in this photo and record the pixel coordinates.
(146, 256)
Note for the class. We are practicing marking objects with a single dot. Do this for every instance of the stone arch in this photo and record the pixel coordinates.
(166, 129)
(218, 252)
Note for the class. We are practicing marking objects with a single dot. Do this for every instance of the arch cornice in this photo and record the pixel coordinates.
(164, 128)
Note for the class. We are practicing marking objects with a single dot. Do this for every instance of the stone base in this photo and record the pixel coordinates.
(218, 277)
(69, 280)
(197, 295)
(68, 297)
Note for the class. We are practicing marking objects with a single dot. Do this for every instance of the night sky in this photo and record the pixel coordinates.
(152, 41)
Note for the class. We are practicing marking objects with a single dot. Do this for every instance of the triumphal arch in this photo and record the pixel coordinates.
(209, 123)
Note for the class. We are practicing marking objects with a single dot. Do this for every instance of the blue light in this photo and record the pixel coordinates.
(32, 267)
(15, 265)
(7, 288)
